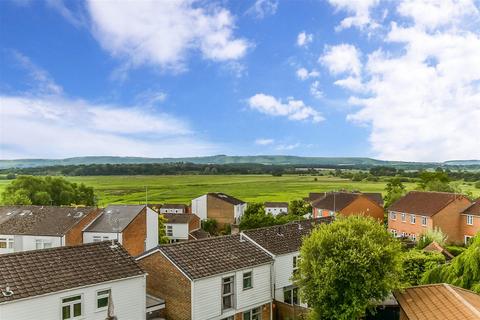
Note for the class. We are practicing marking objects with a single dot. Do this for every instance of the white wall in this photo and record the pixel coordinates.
(171, 210)
(276, 210)
(180, 231)
(26, 242)
(128, 298)
(239, 210)
(88, 236)
(283, 270)
(7, 237)
(152, 229)
(207, 300)
(199, 207)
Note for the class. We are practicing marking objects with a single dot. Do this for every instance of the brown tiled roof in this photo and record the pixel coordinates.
(337, 201)
(216, 255)
(173, 206)
(474, 209)
(40, 220)
(285, 238)
(199, 234)
(312, 196)
(226, 197)
(435, 247)
(37, 272)
(276, 204)
(180, 217)
(424, 203)
(439, 301)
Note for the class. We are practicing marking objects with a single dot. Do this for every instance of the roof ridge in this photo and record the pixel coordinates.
(37, 251)
(462, 299)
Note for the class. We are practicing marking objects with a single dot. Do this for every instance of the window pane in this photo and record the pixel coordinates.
(227, 288)
(99, 293)
(295, 296)
(77, 309)
(227, 302)
(3, 245)
(287, 296)
(102, 302)
(66, 312)
(47, 245)
(246, 315)
(71, 299)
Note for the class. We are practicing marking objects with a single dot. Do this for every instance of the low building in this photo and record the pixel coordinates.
(37, 227)
(225, 209)
(419, 211)
(283, 243)
(216, 278)
(74, 282)
(133, 226)
(275, 208)
(173, 208)
(179, 226)
(349, 203)
(470, 221)
(438, 301)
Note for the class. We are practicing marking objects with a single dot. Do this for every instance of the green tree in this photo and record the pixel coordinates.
(299, 207)
(416, 262)
(394, 191)
(463, 271)
(435, 181)
(254, 208)
(347, 266)
(430, 236)
(162, 232)
(210, 225)
(42, 198)
(477, 184)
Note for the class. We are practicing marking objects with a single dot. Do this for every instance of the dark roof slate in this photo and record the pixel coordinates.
(213, 256)
(287, 238)
(115, 218)
(40, 220)
(179, 218)
(276, 204)
(424, 203)
(37, 272)
(173, 206)
(473, 209)
(199, 234)
(226, 197)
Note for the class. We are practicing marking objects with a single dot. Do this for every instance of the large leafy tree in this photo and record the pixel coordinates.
(347, 266)
(394, 191)
(299, 207)
(26, 190)
(162, 232)
(462, 271)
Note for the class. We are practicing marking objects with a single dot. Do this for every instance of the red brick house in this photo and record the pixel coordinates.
(470, 221)
(418, 211)
(349, 203)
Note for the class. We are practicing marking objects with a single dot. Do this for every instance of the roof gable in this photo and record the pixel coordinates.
(38, 272)
(115, 218)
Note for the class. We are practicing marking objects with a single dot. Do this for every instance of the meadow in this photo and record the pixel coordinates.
(251, 188)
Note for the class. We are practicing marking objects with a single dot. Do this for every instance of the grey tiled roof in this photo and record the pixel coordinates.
(37, 272)
(180, 218)
(285, 238)
(276, 204)
(212, 256)
(115, 218)
(40, 220)
(226, 197)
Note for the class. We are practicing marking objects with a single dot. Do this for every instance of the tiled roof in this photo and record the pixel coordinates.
(115, 218)
(216, 255)
(337, 201)
(276, 204)
(40, 220)
(435, 247)
(37, 272)
(180, 217)
(439, 301)
(424, 203)
(375, 197)
(285, 238)
(199, 234)
(312, 196)
(474, 209)
(226, 197)
(173, 206)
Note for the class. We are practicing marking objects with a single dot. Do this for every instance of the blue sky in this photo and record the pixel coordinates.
(186, 78)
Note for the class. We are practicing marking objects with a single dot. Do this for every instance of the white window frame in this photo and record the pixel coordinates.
(295, 262)
(102, 296)
(251, 280)
(230, 294)
(71, 304)
(292, 290)
(9, 242)
(393, 215)
(470, 219)
(100, 238)
(413, 218)
(169, 230)
(251, 313)
(394, 232)
(40, 244)
(424, 221)
(466, 239)
(404, 217)
(413, 237)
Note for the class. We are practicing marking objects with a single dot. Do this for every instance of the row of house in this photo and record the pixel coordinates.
(240, 276)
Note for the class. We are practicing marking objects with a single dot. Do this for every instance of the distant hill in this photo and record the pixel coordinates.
(224, 159)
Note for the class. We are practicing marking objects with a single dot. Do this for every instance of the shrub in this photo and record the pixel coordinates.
(430, 236)
(416, 262)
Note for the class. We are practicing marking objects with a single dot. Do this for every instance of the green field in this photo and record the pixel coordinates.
(251, 188)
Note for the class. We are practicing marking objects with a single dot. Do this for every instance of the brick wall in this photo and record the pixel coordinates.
(265, 313)
(220, 210)
(165, 281)
(134, 235)
(365, 206)
(407, 226)
(194, 224)
(284, 311)
(448, 219)
(469, 230)
(74, 236)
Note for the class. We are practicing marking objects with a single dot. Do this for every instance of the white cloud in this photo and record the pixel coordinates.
(287, 147)
(351, 83)
(292, 109)
(264, 142)
(150, 97)
(263, 8)
(342, 58)
(422, 98)
(315, 89)
(304, 74)
(360, 10)
(164, 33)
(303, 39)
(76, 19)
